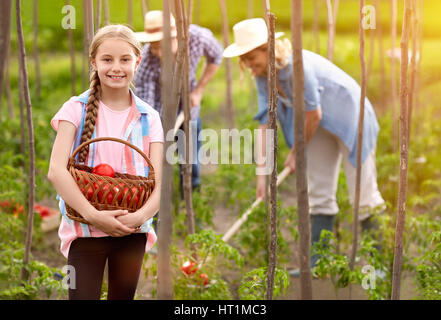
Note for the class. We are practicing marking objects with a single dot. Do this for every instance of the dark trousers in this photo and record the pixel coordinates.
(88, 256)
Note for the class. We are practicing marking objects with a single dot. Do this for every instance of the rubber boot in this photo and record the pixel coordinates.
(370, 225)
(319, 222)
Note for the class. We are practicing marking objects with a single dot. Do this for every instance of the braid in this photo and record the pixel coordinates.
(91, 113)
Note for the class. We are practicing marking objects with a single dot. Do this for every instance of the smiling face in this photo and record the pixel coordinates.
(116, 62)
(256, 60)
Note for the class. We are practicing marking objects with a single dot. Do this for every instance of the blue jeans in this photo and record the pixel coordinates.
(195, 168)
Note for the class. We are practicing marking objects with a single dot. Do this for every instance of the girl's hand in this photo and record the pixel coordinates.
(108, 223)
(131, 220)
(260, 187)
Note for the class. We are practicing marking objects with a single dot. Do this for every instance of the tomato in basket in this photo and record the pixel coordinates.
(104, 169)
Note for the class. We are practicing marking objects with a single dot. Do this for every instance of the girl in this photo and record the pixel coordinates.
(109, 108)
(332, 103)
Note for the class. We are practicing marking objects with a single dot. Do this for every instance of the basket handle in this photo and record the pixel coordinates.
(72, 157)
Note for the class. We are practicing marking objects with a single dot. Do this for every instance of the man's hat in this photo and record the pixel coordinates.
(153, 25)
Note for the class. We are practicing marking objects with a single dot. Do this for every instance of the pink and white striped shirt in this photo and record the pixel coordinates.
(139, 124)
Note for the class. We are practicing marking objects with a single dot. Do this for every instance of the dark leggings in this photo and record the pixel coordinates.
(89, 255)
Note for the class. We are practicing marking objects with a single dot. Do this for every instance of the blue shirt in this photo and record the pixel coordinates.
(328, 86)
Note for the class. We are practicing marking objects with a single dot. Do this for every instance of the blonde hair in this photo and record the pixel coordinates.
(115, 31)
(283, 52)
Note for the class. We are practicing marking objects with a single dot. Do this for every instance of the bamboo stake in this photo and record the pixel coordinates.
(299, 124)
(332, 18)
(359, 140)
(106, 12)
(24, 72)
(35, 53)
(165, 226)
(72, 58)
(381, 55)
(98, 14)
(130, 13)
(250, 9)
(5, 50)
(5, 35)
(394, 75)
(226, 41)
(182, 28)
(189, 11)
(8, 83)
(420, 50)
(404, 149)
(197, 11)
(145, 7)
(315, 26)
(272, 125)
(236, 226)
(412, 93)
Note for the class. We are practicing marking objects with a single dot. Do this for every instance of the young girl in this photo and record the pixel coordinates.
(109, 108)
(332, 104)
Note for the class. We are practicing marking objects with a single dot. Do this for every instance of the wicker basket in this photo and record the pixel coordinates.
(124, 191)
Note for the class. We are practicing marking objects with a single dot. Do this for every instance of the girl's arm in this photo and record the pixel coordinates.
(67, 188)
(151, 207)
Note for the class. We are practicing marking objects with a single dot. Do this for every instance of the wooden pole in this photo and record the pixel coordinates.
(99, 5)
(420, 50)
(130, 13)
(250, 9)
(24, 72)
(5, 44)
(106, 12)
(227, 62)
(35, 51)
(315, 26)
(145, 7)
(165, 226)
(359, 140)
(394, 75)
(332, 18)
(414, 66)
(182, 28)
(72, 58)
(272, 125)
(381, 55)
(8, 83)
(404, 149)
(189, 12)
(299, 124)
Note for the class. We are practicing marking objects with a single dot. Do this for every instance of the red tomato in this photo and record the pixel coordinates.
(132, 192)
(204, 277)
(189, 267)
(89, 192)
(44, 211)
(104, 169)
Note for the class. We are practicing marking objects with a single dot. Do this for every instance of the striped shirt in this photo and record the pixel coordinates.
(141, 127)
(148, 76)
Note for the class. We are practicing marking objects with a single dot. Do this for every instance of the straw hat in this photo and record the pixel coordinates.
(248, 34)
(153, 27)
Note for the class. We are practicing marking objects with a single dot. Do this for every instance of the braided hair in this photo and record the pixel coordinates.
(108, 32)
